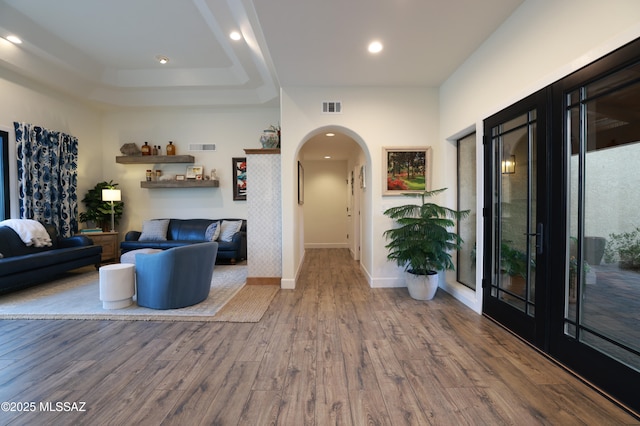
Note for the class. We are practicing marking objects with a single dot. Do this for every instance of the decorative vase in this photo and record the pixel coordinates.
(270, 139)
(421, 287)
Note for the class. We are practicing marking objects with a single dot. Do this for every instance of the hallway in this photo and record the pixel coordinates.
(332, 351)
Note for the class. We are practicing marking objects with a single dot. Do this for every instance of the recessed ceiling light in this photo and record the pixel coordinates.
(235, 35)
(13, 39)
(327, 156)
(162, 59)
(330, 134)
(375, 47)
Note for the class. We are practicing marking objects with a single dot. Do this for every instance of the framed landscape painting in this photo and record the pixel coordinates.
(407, 169)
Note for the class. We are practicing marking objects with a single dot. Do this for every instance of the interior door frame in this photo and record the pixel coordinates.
(533, 329)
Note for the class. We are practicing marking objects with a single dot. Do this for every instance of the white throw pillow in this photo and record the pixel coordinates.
(213, 232)
(228, 229)
(154, 230)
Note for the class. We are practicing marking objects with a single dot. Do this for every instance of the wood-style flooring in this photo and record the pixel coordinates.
(331, 352)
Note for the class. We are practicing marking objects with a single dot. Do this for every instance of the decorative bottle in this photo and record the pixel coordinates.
(155, 150)
(171, 149)
(146, 149)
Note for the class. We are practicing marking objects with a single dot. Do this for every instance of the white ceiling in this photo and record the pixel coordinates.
(104, 50)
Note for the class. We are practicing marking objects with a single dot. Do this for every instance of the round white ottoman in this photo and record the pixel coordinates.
(117, 285)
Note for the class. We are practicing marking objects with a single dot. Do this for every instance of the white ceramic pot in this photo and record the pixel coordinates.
(421, 287)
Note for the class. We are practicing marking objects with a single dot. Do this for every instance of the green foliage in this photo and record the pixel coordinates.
(513, 262)
(422, 242)
(625, 249)
(97, 210)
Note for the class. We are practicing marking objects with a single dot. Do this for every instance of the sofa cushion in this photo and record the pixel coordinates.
(44, 259)
(213, 232)
(188, 229)
(228, 229)
(154, 230)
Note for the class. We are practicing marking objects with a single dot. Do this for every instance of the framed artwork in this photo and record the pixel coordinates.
(239, 167)
(300, 184)
(195, 172)
(407, 169)
(352, 182)
(180, 177)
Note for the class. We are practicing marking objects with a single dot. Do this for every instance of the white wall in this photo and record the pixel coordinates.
(24, 101)
(543, 41)
(232, 130)
(325, 204)
(374, 117)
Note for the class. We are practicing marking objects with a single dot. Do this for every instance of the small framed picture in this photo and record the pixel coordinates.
(300, 184)
(195, 172)
(179, 177)
(239, 166)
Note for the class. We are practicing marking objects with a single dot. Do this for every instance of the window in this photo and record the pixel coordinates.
(4, 176)
(466, 267)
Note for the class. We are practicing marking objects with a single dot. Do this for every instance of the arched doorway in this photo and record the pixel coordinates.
(333, 162)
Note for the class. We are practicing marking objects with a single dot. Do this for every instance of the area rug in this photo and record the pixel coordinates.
(76, 296)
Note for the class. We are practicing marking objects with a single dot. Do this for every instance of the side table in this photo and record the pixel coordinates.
(109, 243)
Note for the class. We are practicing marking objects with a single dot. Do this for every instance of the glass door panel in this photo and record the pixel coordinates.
(513, 272)
(515, 266)
(602, 275)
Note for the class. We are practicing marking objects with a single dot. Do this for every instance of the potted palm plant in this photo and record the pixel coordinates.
(422, 242)
(98, 211)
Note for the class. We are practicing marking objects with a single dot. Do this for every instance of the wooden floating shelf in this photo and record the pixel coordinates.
(154, 159)
(189, 183)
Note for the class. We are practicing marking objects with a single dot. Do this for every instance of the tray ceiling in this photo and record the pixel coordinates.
(106, 51)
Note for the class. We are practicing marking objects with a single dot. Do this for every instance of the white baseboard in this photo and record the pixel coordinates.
(287, 284)
(290, 284)
(326, 245)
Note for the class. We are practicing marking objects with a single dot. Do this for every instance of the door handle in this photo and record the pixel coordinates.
(539, 234)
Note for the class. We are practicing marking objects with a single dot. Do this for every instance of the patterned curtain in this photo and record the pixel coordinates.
(47, 177)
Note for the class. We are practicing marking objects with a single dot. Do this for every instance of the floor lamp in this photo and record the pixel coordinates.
(111, 195)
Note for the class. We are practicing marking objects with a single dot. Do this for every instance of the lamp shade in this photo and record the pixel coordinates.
(111, 195)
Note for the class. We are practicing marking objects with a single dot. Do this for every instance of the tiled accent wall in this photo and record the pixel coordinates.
(264, 216)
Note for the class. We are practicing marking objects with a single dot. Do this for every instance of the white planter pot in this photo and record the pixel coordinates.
(421, 287)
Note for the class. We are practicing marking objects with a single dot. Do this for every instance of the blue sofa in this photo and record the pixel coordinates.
(23, 266)
(175, 278)
(183, 232)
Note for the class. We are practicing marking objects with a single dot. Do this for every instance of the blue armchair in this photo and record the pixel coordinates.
(177, 277)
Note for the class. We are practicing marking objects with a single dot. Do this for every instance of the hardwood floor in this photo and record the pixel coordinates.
(333, 351)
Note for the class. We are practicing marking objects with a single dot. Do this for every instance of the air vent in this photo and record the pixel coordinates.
(202, 147)
(332, 107)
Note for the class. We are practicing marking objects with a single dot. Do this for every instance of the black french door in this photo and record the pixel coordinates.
(595, 320)
(562, 228)
(516, 220)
